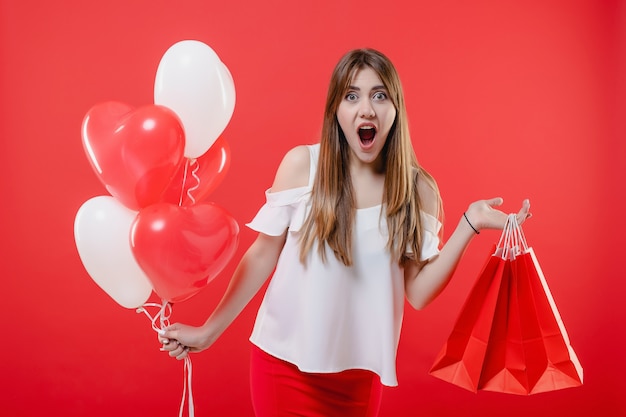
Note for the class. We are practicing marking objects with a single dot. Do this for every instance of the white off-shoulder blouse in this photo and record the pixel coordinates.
(326, 317)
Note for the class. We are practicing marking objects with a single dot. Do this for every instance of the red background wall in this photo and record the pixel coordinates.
(516, 98)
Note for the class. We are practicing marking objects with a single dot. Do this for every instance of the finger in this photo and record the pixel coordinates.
(177, 351)
(170, 332)
(183, 354)
(168, 348)
(494, 202)
(524, 212)
(162, 338)
(171, 346)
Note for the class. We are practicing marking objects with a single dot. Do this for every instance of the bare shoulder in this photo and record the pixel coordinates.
(293, 171)
(428, 191)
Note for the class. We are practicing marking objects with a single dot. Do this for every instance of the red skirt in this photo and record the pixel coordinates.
(280, 389)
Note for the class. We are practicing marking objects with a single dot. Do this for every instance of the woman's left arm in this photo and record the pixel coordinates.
(423, 283)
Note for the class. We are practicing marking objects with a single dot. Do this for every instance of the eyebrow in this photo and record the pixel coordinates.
(376, 87)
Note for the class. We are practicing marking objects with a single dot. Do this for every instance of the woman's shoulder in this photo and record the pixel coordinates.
(293, 171)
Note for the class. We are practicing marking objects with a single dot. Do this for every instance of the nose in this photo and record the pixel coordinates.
(366, 110)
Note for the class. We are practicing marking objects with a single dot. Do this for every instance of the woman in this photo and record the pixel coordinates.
(351, 227)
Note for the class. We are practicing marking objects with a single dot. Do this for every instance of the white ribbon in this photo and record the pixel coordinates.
(195, 166)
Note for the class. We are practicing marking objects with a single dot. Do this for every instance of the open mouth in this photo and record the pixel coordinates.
(367, 134)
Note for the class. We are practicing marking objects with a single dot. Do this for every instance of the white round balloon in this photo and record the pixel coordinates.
(193, 82)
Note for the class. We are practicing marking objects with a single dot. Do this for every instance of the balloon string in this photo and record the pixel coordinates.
(159, 322)
(186, 383)
(182, 186)
(163, 316)
(195, 167)
(194, 173)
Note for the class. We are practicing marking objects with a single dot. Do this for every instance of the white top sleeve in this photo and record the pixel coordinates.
(282, 210)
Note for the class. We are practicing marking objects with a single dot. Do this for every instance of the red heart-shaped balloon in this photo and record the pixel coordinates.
(196, 178)
(134, 152)
(182, 249)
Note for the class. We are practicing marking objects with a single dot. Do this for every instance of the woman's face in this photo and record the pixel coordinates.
(366, 115)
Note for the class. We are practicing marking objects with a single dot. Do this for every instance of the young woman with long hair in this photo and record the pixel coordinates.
(351, 228)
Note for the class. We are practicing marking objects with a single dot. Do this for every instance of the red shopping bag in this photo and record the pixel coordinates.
(460, 360)
(504, 367)
(528, 350)
(561, 367)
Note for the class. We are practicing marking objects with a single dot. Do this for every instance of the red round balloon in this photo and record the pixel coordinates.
(182, 249)
(134, 152)
(197, 178)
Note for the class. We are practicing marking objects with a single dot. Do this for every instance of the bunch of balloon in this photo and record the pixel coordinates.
(155, 231)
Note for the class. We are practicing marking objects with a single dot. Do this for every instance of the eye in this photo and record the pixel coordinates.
(351, 97)
(379, 95)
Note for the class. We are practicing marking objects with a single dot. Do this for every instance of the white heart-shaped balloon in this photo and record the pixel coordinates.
(193, 82)
(102, 234)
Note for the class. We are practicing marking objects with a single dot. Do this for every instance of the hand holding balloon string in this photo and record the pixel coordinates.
(159, 322)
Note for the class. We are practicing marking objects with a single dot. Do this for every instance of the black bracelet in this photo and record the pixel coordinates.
(468, 222)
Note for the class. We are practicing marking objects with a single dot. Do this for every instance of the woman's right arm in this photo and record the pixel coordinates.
(253, 270)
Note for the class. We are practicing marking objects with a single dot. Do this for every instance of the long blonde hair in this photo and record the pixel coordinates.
(331, 219)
